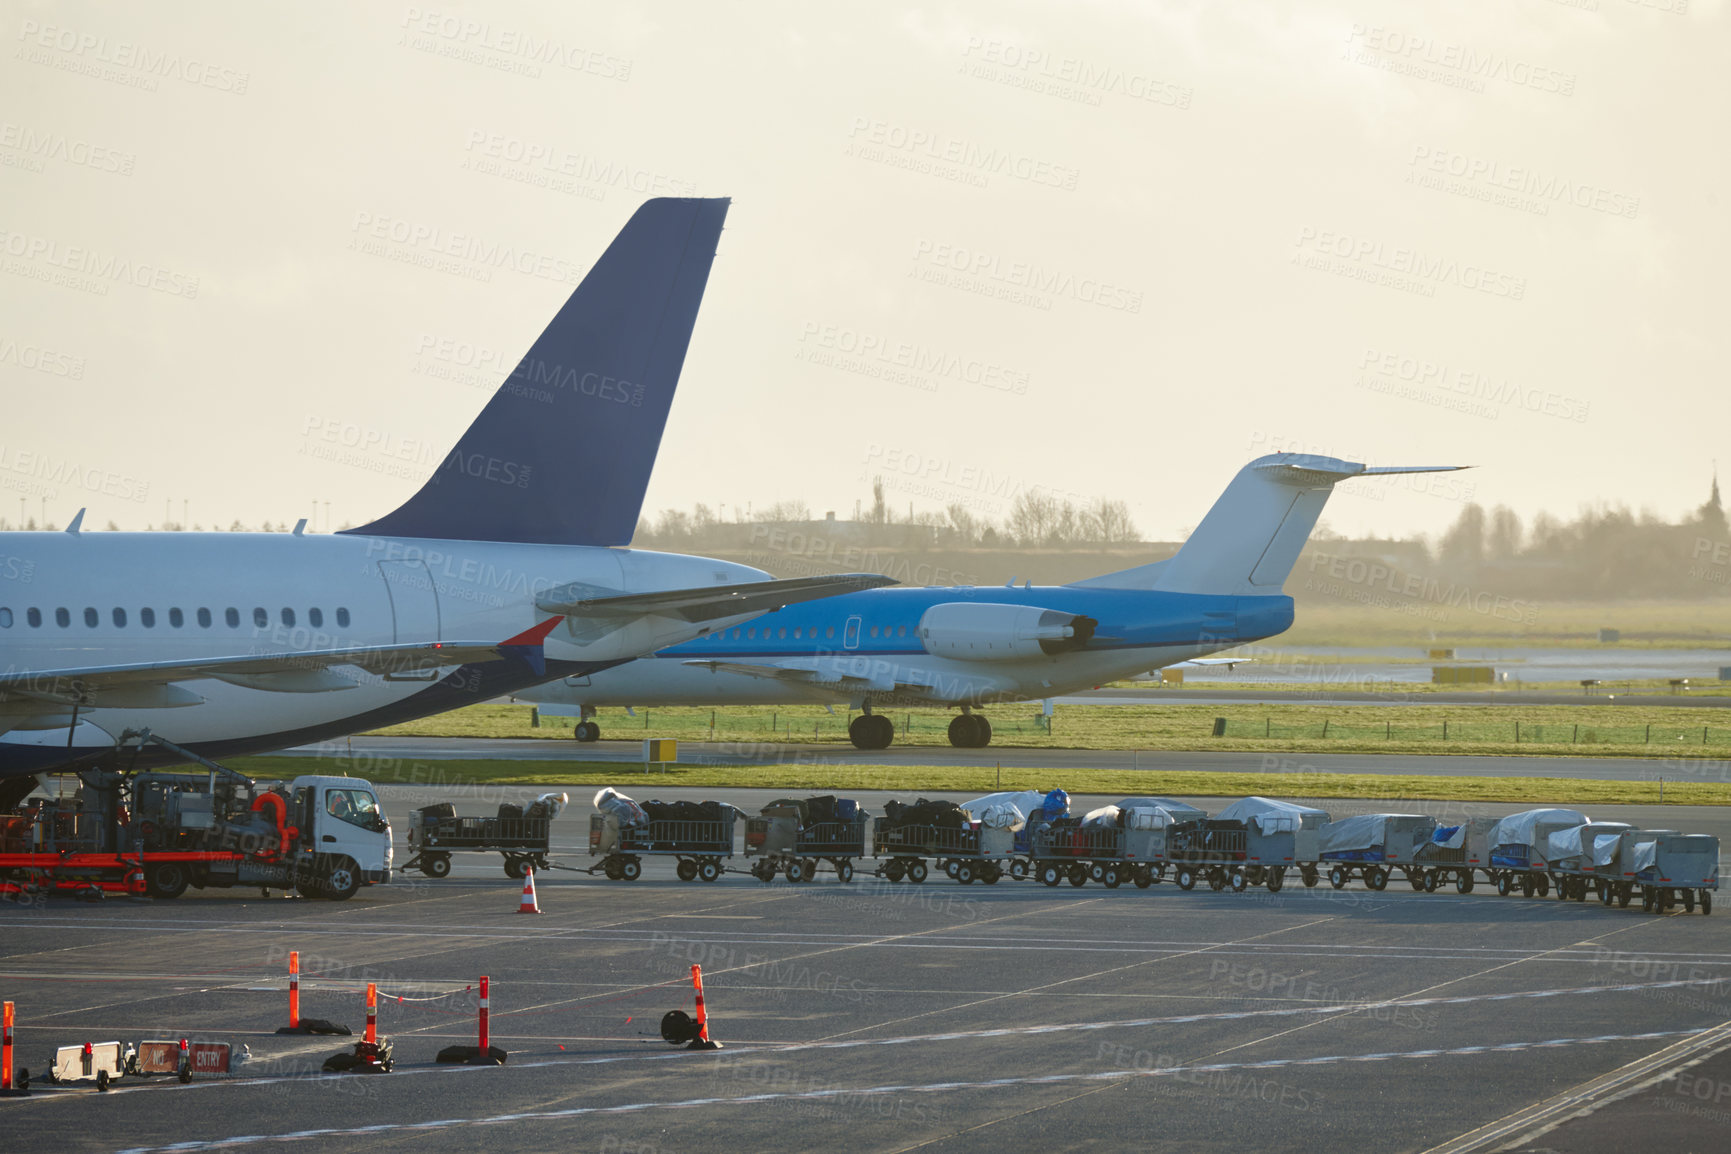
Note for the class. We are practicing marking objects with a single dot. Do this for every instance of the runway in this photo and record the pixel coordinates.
(411, 749)
(867, 1016)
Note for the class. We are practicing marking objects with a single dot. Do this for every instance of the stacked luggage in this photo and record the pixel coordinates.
(966, 849)
(520, 834)
(622, 832)
(796, 837)
(1253, 841)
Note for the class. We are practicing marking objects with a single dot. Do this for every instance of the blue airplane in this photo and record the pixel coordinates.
(963, 647)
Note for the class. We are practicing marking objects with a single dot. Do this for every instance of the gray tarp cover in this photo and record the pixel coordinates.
(1026, 801)
(1365, 831)
(1106, 817)
(1522, 828)
(1598, 839)
(1179, 810)
(1267, 814)
(1152, 817)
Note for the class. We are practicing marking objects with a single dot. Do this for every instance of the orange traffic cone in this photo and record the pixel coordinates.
(530, 905)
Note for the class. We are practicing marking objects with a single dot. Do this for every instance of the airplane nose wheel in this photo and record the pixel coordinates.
(586, 731)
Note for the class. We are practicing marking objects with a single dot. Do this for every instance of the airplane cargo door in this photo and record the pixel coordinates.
(414, 600)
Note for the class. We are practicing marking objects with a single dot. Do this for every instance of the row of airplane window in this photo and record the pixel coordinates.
(829, 633)
(176, 618)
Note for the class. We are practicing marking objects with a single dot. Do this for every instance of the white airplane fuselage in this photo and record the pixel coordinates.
(74, 600)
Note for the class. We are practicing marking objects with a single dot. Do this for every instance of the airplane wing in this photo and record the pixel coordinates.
(828, 681)
(704, 604)
(154, 684)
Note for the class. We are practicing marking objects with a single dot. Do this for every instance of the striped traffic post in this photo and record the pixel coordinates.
(6, 1049)
(372, 1037)
(294, 989)
(484, 1008)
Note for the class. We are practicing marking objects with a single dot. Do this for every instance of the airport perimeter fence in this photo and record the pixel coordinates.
(1499, 732)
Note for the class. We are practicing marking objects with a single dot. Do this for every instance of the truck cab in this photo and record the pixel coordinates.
(342, 824)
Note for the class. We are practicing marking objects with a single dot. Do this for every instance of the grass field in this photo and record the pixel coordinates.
(1603, 730)
(446, 780)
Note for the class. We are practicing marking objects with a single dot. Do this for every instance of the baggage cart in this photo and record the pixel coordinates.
(1585, 859)
(1459, 852)
(1128, 842)
(1254, 841)
(781, 845)
(1373, 845)
(1075, 852)
(1670, 868)
(435, 834)
(700, 846)
(1519, 843)
(967, 853)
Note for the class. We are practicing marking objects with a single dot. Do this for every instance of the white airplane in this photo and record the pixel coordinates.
(964, 647)
(505, 569)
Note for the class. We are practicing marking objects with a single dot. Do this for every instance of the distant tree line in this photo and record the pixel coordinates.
(1036, 520)
(1604, 552)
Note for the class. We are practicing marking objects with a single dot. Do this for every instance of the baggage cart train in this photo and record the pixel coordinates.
(1251, 843)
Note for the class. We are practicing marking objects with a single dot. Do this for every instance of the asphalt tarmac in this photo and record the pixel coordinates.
(865, 1016)
(377, 750)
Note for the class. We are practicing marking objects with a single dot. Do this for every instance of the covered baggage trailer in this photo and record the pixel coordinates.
(521, 835)
(1519, 843)
(1585, 859)
(1253, 841)
(1459, 852)
(1670, 868)
(784, 841)
(1373, 845)
(1128, 842)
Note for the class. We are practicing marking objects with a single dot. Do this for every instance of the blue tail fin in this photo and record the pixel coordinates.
(562, 453)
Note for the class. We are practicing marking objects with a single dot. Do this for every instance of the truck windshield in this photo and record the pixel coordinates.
(355, 806)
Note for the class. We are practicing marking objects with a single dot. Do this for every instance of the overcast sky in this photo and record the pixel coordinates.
(1104, 249)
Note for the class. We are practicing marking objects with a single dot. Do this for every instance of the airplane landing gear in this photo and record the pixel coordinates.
(871, 731)
(970, 731)
(586, 731)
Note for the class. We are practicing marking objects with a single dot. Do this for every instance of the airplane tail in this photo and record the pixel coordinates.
(1251, 538)
(562, 453)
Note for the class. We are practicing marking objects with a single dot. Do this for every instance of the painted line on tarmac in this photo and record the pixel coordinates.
(792, 938)
(768, 1049)
(909, 1088)
(1531, 1123)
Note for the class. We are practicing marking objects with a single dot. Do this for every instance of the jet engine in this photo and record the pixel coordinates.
(968, 631)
